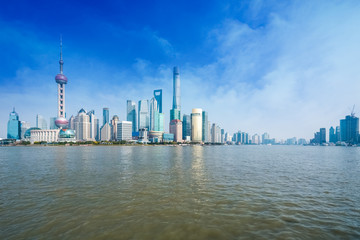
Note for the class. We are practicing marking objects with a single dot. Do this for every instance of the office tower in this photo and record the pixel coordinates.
(94, 125)
(24, 126)
(332, 135)
(349, 129)
(158, 97)
(124, 131)
(196, 125)
(156, 115)
(213, 133)
(40, 122)
(61, 81)
(52, 123)
(82, 126)
(106, 117)
(176, 129)
(255, 139)
(204, 126)
(186, 124)
(72, 122)
(14, 126)
(176, 108)
(114, 124)
(105, 132)
(265, 138)
(222, 135)
(322, 135)
(143, 114)
(131, 114)
(209, 132)
(338, 135)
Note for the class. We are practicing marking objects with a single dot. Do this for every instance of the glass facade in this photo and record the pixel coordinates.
(106, 117)
(175, 112)
(204, 126)
(131, 114)
(14, 126)
(186, 125)
(144, 114)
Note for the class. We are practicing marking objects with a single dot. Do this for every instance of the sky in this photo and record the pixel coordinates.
(283, 67)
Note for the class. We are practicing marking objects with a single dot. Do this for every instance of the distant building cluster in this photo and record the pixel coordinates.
(345, 134)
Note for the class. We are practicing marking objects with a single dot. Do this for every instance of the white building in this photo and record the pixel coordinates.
(114, 123)
(105, 132)
(82, 126)
(94, 125)
(124, 131)
(41, 122)
(196, 125)
(44, 135)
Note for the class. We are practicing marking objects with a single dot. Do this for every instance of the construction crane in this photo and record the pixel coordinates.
(352, 111)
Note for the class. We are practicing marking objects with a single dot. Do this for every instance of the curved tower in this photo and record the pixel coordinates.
(61, 80)
(175, 111)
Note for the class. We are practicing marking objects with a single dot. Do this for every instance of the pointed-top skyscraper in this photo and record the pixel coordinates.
(175, 111)
(61, 80)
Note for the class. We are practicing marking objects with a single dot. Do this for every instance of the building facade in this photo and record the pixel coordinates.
(44, 135)
(13, 126)
(41, 122)
(131, 114)
(186, 126)
(176, 129)
(124, 131)
(205, 126)
(144, 115)
(196, 125)
(82, 126)
(175, 112)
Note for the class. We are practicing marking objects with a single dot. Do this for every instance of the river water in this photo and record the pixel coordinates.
(174, 192)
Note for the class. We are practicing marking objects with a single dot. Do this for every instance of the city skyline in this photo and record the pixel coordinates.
(277, 89)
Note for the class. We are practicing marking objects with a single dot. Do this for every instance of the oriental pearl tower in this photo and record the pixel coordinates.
(61, 80)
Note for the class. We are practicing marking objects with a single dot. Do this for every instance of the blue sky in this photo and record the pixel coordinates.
(284, 67)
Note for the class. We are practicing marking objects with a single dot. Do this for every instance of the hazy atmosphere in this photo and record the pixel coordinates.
(256, 66)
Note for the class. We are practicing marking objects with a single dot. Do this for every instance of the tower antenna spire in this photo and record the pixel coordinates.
(61, 59)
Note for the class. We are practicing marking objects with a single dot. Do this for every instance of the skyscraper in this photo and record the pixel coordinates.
(131, 114)
(14, 126)
(322, 135)
(114, 124)
(156, 115)
(94, 125)
(24, 127)
(332, 135)
(349, 129)
(196, 125)
(61, 80)
(144, 114)
(82, 126)
(106, 117)
(176, 129)
(204, 126)
(124, 129)
(175, 112)
(186, 124)
(40, 122)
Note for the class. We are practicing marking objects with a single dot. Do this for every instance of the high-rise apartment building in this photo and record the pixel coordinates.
(196, 125)
(175, 112)
(14, 126)
(131, 114)
(143, 113)
(105, 132)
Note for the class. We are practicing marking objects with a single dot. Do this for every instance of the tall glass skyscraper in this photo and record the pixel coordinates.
(204, 126)
(349, 129)
(41, 122)
(156, 115)
(131, 114)
(186, 126)
(143, 114)
(106, 117)
(14, 126)
(175, 112)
